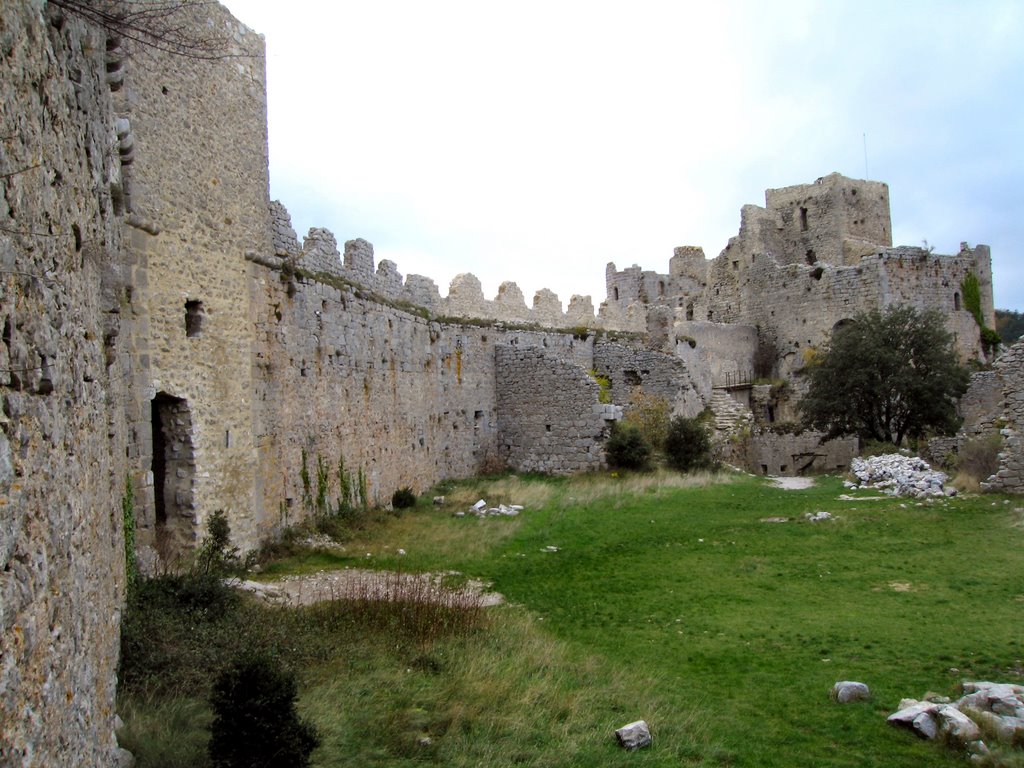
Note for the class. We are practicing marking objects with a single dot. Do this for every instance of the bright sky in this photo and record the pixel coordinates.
(536, 141)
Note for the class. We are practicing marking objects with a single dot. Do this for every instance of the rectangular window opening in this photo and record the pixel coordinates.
(193, 317)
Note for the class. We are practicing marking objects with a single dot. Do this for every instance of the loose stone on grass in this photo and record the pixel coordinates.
(634, 736)
(846, 691)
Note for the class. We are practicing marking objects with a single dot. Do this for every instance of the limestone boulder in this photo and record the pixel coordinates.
(920, 718)
(957, 726)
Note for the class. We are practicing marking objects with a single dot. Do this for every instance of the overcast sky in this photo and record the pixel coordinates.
(536, 141)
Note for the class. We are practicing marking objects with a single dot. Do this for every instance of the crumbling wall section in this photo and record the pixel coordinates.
(550, 417)
(630, 369)
(63, 379)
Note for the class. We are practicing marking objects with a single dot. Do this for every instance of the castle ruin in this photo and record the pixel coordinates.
(167, 338)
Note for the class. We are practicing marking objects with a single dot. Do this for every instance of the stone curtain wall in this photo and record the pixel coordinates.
(406, 400)
(550, 417)
(63, 379)
(199, 194)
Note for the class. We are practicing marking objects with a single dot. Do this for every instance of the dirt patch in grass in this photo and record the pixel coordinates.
(365, 584)
(793, 483)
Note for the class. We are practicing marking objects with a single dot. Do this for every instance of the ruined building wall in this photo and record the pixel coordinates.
(835, 220)
(63, 376)
(629, 368)
(1010, 372)
(198, 193)
(799, 305)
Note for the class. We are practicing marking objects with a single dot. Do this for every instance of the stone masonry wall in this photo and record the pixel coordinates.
(769, 453)
(199, 190)
(63, 379)
(342, 377)
(550, 417)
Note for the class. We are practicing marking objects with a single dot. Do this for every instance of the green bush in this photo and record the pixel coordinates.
(626, 447)
(403, 498)
(687, 445)
(255, 724)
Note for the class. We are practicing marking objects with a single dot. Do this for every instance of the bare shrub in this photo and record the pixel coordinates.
(978, 457)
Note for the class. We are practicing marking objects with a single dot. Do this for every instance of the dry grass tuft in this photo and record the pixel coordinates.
(593, 488)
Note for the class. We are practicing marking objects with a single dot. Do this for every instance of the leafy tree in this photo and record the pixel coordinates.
(886, 376)
(626, 447)
(687, 445)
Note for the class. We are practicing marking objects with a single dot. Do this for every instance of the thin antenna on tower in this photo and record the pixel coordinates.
(866, 174)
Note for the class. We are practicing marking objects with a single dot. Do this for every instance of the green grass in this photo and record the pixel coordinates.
(668, 600)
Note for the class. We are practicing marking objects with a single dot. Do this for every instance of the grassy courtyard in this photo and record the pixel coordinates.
(674, 600)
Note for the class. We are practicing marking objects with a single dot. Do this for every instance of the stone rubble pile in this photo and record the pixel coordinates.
(480, 509)
(993, 708)
(898, 475)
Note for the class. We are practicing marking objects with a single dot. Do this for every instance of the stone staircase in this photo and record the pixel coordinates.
(730, 416)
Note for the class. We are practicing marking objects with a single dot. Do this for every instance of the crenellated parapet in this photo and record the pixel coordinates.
(319, 254)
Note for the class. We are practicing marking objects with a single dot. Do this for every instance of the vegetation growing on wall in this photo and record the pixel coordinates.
(971, 289)
(604, 384)
(131, 567)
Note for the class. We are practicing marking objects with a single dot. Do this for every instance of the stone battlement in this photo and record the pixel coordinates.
(319, 253)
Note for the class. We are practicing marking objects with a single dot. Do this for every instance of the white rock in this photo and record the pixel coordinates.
(479, 505)
(635, 735)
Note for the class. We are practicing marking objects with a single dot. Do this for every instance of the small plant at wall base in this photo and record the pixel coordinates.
(650, 414)
(403, 498)
(216, 555)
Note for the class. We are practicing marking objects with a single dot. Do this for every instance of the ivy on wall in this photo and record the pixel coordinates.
(971, 290)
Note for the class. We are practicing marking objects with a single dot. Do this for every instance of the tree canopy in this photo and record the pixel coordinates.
(886, 376)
